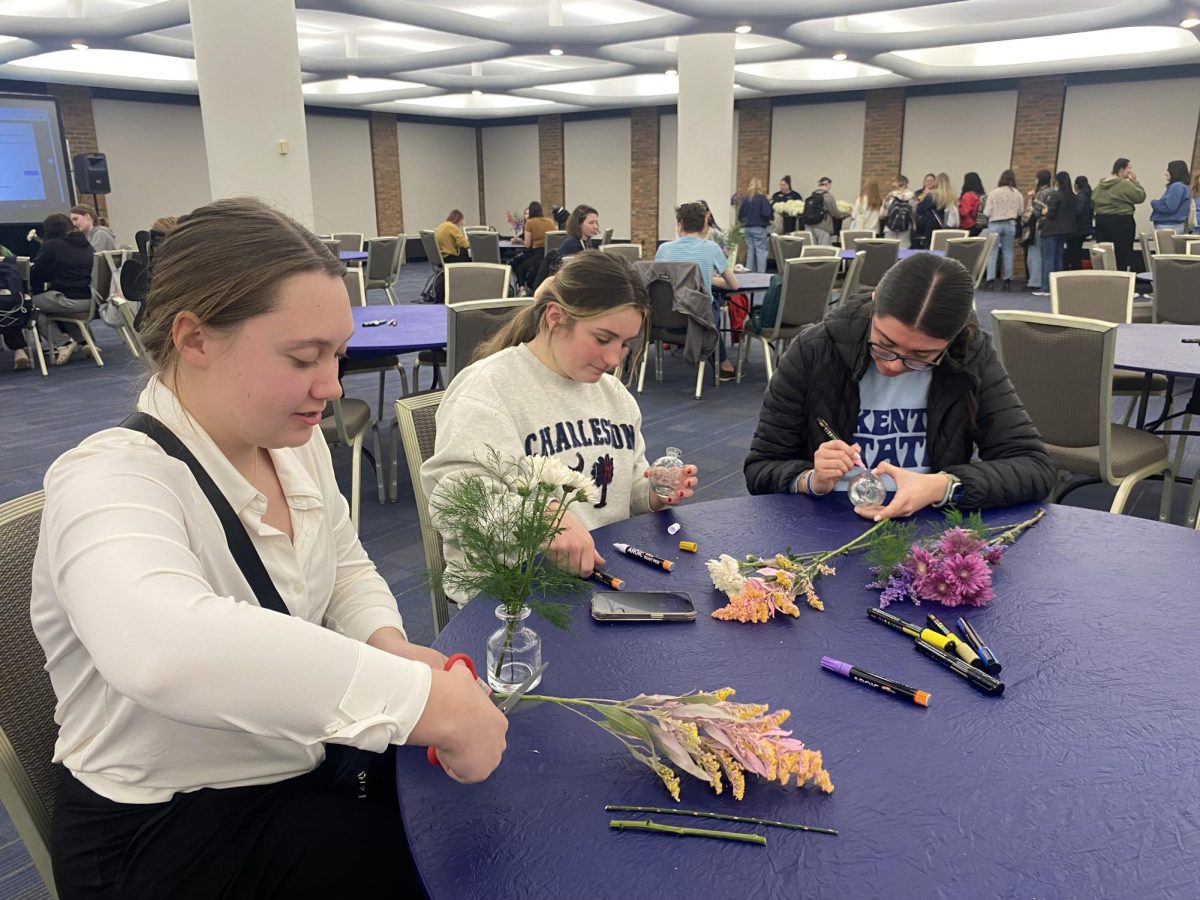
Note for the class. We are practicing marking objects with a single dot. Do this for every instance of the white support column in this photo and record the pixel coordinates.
(705, 144)
(248, 67)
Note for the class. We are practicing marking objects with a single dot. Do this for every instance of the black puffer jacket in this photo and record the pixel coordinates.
(972, 406)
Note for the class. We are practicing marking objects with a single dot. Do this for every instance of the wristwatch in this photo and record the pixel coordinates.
(952, 486)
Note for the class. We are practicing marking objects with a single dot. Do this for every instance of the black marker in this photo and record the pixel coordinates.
(965, 653)
(991, 665)
(609, 581)
(913, 631)
(978, 678)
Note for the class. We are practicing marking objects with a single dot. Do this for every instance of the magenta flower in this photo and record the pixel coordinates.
(920, 561)
(958, 540)
(969, 572)
(939, 585)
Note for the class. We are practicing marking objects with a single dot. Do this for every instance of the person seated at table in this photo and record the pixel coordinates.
(452, 240)
(582, 225)
(692, 245)
(537, 223)
(99, 236)
(61, 278)
(197, 725)
(908, 380)
(542, 386)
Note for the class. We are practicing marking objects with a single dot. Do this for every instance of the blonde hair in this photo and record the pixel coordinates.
(755, 187)
(589, 284)
(943, 193)
(224, 263)
(870, 190)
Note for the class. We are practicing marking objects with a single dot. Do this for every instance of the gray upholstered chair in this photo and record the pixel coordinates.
(334, 245)
(787, 246)
(485, 246)
(851, 237)
(478, 229)
(353, 279)
(470, 323)
(1193, 248)
(432, 253)
(803, 299)
(1061, 368)
(81, 320)
(1149, 244)
(1164, 241)
(667, 326)
(939, 236)
(632, 252)
(1103, 256)
(971, 252)
(344, 424)
(554, 240)
(349, 241)
(1177, 289)
(606, 238)
(820, 250)
(32, 338)
(476, 281)
(385, 258)
(882, 254)
(28, 778)
(417, 430)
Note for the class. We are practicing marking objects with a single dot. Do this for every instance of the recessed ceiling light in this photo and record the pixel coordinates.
(352, 77)
(1189, 22)
(672, 72)
(556, 51)
(476, 93)
(743, 29)
(840, 55)
(78, 45)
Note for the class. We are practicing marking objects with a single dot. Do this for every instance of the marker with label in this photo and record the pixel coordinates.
(965, 653)
(645, 556)
(611, 581)
(895, 688)
(913, 631)
(978, 678)
(991, 665)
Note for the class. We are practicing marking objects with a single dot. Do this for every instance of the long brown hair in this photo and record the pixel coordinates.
(575, 220)
(224, 263)
(589, 284)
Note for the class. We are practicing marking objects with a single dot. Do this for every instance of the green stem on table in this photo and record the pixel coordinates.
(651, 825)
(1009, 533)
(820, 556)
(751, 820)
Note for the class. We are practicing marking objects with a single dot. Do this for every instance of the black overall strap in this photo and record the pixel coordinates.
(239, 541)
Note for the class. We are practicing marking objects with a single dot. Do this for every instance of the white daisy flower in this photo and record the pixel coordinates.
(725, 574)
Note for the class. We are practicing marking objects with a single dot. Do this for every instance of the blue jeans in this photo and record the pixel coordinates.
(1007, 230)
(1177, 227)
(756, 248)
(1033, 266)
(1052, 258)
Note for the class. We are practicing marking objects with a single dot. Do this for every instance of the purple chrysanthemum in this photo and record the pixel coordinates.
(939, 585)
(958, 540)
(920, 562)
(969, 573)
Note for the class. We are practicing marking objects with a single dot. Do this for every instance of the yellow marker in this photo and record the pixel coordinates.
(689, 546)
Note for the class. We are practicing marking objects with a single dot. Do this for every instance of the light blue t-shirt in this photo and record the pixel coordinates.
(701, 251)
(891, 422)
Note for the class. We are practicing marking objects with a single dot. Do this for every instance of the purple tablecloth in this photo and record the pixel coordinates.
(352, 255)
(1157, 348)
(902, 253)
(419, 326)
(1081, 781)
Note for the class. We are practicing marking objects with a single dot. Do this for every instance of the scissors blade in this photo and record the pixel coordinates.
(506, 705)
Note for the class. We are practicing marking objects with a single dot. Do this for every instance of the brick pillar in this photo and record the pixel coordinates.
(1196, 153)
(75, 106)
(479, 168)
(883, 136)
(643, 181)
(385, 162)
(1036, 136)
(754, 145)
(551, 160)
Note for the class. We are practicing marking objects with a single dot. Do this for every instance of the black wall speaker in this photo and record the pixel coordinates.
(91, 173)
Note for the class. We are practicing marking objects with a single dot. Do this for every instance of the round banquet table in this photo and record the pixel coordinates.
(419, 326)
(1081, 781)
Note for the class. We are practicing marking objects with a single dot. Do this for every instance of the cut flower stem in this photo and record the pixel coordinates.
(750, 820)
(651, 825)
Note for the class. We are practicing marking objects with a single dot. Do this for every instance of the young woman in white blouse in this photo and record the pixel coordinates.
(193, 721)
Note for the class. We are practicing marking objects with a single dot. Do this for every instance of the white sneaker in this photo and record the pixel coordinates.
(20, 360)
(63, 354)
(1041, 293)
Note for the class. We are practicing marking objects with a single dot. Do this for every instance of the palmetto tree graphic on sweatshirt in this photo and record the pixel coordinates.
(602, 474)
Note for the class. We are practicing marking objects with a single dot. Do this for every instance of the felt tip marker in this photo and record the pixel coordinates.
(832, 435)
(657, 561)
(978, 678)
(610, 581)
(895, 688)
(913, 631)
(964, 651)
(991, 665)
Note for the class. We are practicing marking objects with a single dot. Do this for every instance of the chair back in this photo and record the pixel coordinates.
(804, 294)
(1061, 368)
(850, 238)
(1149, 247)
(476, 281)
(882, 254)
(470, 324)
(477, 229)
(939, 236)
(24, 267)
(632, 252)
(28, 779)
(350, 241)
(606, 238)
(1193, 248)
(787, 246)
(663, 316)
(384, 256)
(805, 236)
(142, 240)
(970, 251)
(432, 253)
(334, 245)
(850, 283)
(353, 279)
(1184, 243)
(819, 250)
(102, 278)
(1164, 241)
(417, 419)
(1103, 256)
(554, 240)
(1177, 289)
(485, 246)
(1107, 296)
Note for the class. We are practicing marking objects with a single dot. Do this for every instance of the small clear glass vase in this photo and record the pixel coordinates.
(514, 651)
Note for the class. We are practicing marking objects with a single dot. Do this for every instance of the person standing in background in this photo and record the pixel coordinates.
(784, 195)
(898, 222)
(823, 229)
(1170, 211)
(970, 203)
(864, 215)
(1003, 207)
(931, 208)
(84, 218)
(1036, 198)
(1073, 246)
(929, 184)
(755, 214)
(1058, 222)
(1194, 215)
(1113, 200)
(452, 240)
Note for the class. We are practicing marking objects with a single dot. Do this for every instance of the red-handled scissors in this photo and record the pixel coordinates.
(505, 706)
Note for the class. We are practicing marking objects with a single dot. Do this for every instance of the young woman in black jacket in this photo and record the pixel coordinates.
(907, 377)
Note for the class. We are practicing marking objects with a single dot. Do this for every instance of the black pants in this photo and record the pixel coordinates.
(1073, 252)
(292, 839)
(463, 256)
(14, 337)
(1119, 230)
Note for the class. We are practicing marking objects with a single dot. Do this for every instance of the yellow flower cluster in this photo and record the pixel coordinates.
(735, 774)
(668, 776)
(757, 602)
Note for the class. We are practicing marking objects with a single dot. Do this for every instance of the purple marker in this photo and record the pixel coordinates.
(895, 688)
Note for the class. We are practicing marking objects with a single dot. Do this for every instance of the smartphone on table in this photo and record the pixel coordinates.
(644, 606)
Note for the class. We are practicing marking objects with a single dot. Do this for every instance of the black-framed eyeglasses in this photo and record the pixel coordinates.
(915, 365)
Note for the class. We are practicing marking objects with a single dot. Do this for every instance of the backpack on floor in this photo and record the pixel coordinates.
(15, 306)
(814, 209)
(899, 218)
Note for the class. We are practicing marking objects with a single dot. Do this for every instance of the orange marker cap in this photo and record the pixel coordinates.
(921, 698)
